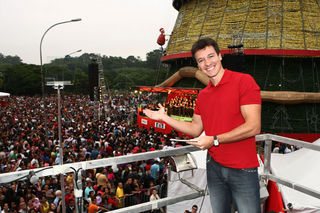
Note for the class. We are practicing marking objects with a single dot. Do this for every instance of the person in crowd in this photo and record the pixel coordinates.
(53, 208)
(128, 192)
(94, 207)
(23, 207)
(154, 196)
(88, 188)
(70, 205)
(155, 170)
(48, 193)
(5, 208)
(229, 132)
(120, 194)
(58, 197)
(44, 205)
(102, 179)
(194, 209)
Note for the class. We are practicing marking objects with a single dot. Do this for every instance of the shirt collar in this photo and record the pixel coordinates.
(225, 78)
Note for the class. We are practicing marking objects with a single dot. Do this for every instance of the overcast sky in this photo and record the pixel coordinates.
(108, 27)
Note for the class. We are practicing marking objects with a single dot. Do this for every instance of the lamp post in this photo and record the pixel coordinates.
(43, 103)
(43, 78)
(41, 66)
(58, 85)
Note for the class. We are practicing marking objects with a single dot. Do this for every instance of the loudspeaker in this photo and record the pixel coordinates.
(93, 74)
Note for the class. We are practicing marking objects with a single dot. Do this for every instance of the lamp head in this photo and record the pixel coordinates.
(77, 19)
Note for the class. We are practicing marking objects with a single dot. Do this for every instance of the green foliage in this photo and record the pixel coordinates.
(153, 58)
(119, 73)
(13, 60)
(22, 79)
(80, 82)
(127, 77)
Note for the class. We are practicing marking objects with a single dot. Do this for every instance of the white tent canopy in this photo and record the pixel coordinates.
(301, 167)
(4, 94)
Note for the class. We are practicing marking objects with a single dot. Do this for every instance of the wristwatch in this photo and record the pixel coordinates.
(215, 141)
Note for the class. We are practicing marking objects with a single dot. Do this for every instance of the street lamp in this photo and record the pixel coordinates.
(58, 85)
(42, 73)
(66, 58)
(41, 66)
(68, 55)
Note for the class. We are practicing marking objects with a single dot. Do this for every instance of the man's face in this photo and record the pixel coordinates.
(209, 61)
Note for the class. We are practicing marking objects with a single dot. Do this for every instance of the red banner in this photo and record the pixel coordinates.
(145, 122)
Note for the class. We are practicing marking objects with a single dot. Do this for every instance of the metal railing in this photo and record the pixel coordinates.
(72, 167)
(66, 168)
(93, 164)
(268, 139)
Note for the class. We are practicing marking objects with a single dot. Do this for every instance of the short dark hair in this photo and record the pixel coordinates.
(202, 43)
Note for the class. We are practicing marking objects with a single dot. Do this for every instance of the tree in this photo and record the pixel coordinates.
(153, 59)
(119, 73)
(22, 79)
(134, 62)
(13, 60)
(80, 82)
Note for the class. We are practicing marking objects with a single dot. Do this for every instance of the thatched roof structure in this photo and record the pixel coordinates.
(263, 27)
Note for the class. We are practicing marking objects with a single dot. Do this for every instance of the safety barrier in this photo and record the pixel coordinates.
(129, 201)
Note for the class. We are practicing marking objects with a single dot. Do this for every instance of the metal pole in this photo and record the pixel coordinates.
(267, 156)
(59, 113)
(61, 152)
(58, 85)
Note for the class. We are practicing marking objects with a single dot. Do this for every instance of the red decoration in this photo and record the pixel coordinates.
(161, 38)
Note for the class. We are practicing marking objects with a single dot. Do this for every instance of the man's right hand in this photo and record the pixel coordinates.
(156, 115)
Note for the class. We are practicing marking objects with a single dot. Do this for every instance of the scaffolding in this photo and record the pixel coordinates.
(101, 95)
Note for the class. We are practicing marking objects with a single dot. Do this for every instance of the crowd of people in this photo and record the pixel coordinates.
(29, 140)
(283, 148)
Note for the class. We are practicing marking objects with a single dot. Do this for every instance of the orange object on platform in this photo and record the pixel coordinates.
(274, 201)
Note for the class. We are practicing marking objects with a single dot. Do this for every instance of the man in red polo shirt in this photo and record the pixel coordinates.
(228, 110)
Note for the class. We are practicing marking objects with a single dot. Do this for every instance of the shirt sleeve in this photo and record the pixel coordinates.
(249, 91)
(196, 109)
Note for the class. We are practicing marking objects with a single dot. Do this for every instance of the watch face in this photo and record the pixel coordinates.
(215, 141)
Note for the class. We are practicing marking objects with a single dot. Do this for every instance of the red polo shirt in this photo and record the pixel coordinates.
(219, 108)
